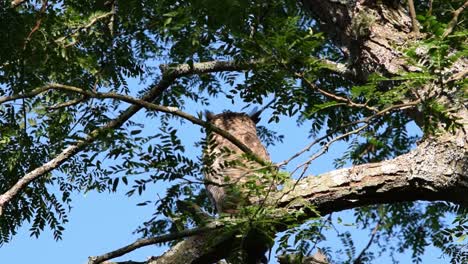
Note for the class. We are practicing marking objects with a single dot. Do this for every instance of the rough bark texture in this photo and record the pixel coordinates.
(368, 33)
(201, 249)
(436, 170)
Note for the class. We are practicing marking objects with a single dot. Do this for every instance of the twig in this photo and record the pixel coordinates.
(414, 21)
(457, 76)
(38, 23)
(323, 149)
(358, 260)
(366, 121)
(329, 218)
(153, 240)
(67, 104)
(313, 143)
(348, 101)
(429, 11)
(90, 24)
(454, 21)
(112, 19)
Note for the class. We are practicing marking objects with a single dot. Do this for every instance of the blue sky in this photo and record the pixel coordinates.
(100, 223)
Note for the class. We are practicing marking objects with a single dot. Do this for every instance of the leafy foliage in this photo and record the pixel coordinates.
(453, 240)
(99, 45)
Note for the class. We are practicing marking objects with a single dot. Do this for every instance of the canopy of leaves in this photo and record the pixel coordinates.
(99, 45)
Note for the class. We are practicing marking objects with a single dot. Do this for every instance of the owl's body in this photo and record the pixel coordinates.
(231, 171)
(233, 180)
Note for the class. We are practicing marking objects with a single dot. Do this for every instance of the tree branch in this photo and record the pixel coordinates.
(454, 21)
(40, 15)
(165, 109)
(168, 77)
(414, 21)
(16, 3)
(75, 32)
(150, 106)
(153, 240)
(169, 74)
(358, 260)
(436, 170)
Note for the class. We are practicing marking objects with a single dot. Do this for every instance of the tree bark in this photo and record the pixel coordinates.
(367, 33)
(435, 170)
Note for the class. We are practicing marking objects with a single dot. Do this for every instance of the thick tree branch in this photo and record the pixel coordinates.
(376, 52)
(369, 54)
(153, 240)
(436, 170)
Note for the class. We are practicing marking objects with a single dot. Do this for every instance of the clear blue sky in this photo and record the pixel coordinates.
(100, 223)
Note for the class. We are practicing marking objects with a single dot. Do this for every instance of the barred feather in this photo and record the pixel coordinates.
(229, 169)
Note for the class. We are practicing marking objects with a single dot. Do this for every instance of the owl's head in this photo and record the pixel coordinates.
(231, 120)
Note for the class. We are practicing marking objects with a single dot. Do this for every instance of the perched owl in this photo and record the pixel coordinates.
(230, 171)
(232, 174)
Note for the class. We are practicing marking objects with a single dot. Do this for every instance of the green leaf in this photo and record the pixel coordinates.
(135, 132)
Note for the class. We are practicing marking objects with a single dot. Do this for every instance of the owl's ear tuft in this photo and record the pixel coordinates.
(209, 115)
(255, 116)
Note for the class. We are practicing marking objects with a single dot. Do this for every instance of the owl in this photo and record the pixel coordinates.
(231, 171)
(231, 175)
